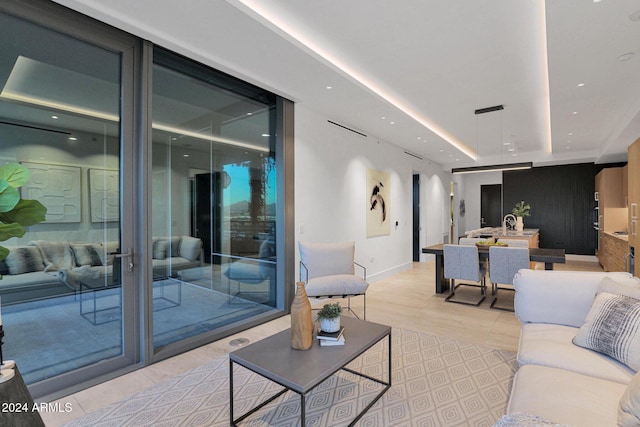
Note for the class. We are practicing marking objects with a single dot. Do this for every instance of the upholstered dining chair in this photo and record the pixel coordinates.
(504, 264)
(329, 272)
(461, 262)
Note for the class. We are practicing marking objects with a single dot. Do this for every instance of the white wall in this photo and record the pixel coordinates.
(331, 197)
(470, 189)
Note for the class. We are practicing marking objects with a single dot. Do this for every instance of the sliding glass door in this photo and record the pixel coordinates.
(213, 200)
(66, 289)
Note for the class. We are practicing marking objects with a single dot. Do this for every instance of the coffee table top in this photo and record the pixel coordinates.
(301, 370)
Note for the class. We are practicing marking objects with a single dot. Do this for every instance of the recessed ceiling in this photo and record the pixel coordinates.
(427, 66)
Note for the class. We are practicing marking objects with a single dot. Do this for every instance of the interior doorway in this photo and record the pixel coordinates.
(491, 205)
(416, 218)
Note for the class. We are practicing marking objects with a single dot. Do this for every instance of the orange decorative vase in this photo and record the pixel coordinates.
(301, 321)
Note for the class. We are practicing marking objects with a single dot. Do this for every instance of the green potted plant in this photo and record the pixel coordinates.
(329, 317)
(15, 212)
(521, 210)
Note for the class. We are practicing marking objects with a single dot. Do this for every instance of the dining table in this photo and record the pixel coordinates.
(548, 256)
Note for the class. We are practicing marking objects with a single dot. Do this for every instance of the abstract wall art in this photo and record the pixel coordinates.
(104, 193)
(57, 187)
(378, 203)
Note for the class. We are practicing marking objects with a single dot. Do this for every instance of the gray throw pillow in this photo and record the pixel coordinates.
(24, 259)
(190, 248)
(612, 328)
(160, 247)
(86, 254)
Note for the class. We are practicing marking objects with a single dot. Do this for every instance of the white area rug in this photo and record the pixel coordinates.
(436, 381)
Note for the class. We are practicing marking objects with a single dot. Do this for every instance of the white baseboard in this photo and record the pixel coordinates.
(371, 278)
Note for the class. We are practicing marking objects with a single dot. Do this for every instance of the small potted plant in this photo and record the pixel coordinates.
(329, 317)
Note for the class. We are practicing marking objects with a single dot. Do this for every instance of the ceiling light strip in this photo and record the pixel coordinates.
(545, 79)
(298, 36)
(493, 168)
(39, 102)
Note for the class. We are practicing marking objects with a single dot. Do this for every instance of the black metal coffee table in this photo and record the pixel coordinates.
(301, 371)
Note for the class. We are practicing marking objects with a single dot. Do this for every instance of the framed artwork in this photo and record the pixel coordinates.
(57, 187)
(378, 203)
(104, 195)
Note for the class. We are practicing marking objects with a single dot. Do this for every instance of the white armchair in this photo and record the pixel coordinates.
(329, 272)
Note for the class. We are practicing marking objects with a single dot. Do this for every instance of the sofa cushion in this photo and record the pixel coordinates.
(565, 397)
(24, 259)
(629, 286)
(336, 285)
(87, 254)
(160, 247)
(629, 409)
(612, 327)
(174, 246)
(551, 345)
(190, 248)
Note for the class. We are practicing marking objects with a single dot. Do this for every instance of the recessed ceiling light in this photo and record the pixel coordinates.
(54, 117)
(570, 133)
(574, 113)
(73, 138)
(506, 143)
(383, 118)
(249, 114)
(185, 155)
(393, 123)
(597, 1)
(442, 151)
(329, 87)
(626, 56)
(265, 134)
(580, 84)
(567, 147)
(419, 137)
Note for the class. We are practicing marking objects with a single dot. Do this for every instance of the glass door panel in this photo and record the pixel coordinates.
(62, 282)
(213, 200)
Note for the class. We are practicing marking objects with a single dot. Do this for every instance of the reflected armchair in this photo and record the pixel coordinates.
(329, 272)
(253, 271)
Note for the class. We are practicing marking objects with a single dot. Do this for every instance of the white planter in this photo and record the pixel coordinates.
(330, 325)
(519, 224)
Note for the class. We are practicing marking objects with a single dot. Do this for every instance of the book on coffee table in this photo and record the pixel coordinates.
(329, 343)
(331, 336)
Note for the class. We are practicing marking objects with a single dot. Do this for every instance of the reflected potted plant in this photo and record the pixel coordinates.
(521, 210)
(329, 317)
(15, 212)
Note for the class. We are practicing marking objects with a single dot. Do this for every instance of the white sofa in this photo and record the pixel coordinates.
(557, 379)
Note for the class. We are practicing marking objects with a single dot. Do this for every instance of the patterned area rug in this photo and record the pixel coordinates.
(436, 381)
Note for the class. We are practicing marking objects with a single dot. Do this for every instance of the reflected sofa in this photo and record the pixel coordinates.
(45, 269)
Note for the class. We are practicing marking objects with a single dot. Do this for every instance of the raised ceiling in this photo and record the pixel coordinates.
(567, 72)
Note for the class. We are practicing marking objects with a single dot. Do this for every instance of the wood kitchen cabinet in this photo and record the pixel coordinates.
(634, 194)
(609, 188)
(613, 251)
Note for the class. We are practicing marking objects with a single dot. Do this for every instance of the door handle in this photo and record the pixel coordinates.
(129, 256)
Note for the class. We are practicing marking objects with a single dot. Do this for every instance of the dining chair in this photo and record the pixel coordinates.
(329, 272)
(461, 262)
(504, 263)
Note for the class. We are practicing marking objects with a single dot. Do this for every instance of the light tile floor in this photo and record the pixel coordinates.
(405, 300)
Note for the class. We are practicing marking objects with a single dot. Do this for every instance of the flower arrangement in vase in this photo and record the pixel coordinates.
(521, 210)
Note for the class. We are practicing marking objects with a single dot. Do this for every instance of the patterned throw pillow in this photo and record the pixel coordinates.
(24, 260)
(612, 327)
(86, 255)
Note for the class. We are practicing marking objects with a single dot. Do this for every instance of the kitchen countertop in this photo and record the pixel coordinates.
(527, 232)
(624, 238)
